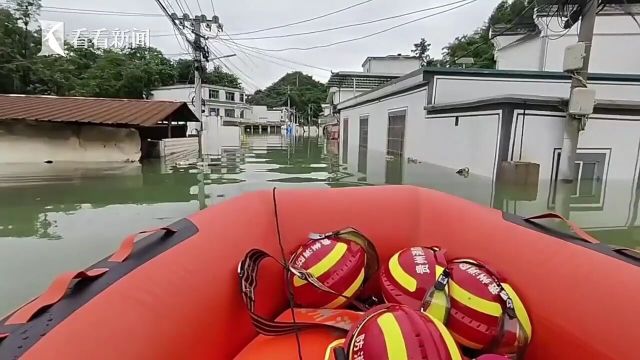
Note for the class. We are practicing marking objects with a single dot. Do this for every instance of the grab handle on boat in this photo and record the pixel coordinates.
(630, 253)
(54, 293)
(126, 247)
(575, 228)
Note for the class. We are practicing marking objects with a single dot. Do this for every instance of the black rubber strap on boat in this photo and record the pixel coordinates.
(248, 273)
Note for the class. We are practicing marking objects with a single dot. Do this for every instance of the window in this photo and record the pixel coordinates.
(214, 111)
(363, 144)
(230, 113)
(241, 114)
(214, 94)
(591, 169)
(241, 98)
(231, 96)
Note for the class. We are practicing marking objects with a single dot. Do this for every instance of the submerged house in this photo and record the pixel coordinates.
(51, 129)
(479, 121)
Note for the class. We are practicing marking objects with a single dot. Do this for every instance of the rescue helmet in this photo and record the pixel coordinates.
(330, 270)
(394, 331)
(409, 274)
(483, 313)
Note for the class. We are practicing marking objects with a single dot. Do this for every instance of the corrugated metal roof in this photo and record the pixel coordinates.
(123, 112)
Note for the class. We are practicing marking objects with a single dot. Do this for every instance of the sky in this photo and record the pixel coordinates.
(258, 71)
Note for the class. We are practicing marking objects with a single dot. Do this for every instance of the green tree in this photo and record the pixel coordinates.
(478, 45)
(421, 49)
(305, 94)
(132, 73)
(185, 68)
(221, 78)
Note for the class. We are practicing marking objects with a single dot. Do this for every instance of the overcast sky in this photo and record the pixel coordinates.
(246, 15)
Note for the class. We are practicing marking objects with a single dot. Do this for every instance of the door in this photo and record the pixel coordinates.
(345, 140)
(363, 145)
(395, 146)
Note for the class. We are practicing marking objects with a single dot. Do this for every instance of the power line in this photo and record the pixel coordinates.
(241, 46)
(629, 12)
(364, 36)
(186, 5)
(213, 8)
(66, 10)
(351, 25)
(179, 6)
(306, 20)
(243, 53)
(199, 7)
(249, 81)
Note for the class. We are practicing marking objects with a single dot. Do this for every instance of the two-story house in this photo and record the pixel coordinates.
(228, 103)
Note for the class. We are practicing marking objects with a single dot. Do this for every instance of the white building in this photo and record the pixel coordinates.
(391, 64)
(218, 101)
(616, 42)
(262, 115)
(468, 118)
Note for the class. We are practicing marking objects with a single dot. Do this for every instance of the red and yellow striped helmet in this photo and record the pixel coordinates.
(410, 273)
(398, 332)
(485, 314)
(330, 270)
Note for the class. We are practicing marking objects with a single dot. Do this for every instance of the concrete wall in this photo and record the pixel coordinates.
(378, 122)
(263, 115)
(460, 88)
(23, 142)
(616, 47)
(399, 66)
(523, 56)
(617, 137)
(342, 94)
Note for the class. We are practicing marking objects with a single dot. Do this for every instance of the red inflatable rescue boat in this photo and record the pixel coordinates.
(174, 294)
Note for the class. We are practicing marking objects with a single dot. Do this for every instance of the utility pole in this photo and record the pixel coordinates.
(200, 52)
(197, 58)
(309, 121)
(573, 124)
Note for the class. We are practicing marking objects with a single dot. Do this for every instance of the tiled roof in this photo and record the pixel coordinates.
(120, 112)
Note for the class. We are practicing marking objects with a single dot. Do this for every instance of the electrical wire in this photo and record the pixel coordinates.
(179, 7)
(240, 49)
(257, 52)
(513, 24)
(213, 8)
(351, 25)
(199, 7)
(248, 80)
(305, 20)
(66, 10)
(630, 13)
(290, 294)
(364, 36)
(186, 4)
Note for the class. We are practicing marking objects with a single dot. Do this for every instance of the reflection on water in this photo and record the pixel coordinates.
(60, 217)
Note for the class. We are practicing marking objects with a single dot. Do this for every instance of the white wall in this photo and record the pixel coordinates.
(473, 143)
(616, 47)
(523, 56)
(262, 114)
(39, 142)
(392, 65)
(342, 94)
(216, 137)
(619, 134)
(456, 88)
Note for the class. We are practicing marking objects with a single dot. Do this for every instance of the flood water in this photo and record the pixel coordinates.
(61, 217)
